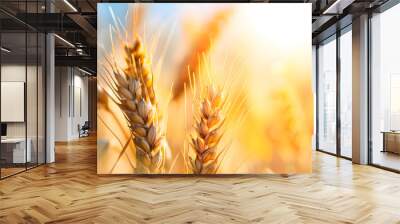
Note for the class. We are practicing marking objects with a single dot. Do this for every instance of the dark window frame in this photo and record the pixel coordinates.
(334, 37)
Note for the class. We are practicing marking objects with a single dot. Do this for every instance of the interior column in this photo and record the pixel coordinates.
(360, 90)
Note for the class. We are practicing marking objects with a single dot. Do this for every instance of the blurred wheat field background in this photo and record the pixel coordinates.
(204, 88)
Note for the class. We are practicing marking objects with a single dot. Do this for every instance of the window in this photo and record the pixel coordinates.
(385, 89)
(327, 96)
(346, 92)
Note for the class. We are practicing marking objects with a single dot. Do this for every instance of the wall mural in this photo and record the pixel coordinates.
(204, 88)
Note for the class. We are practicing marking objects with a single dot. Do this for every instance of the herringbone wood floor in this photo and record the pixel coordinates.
(69, 191)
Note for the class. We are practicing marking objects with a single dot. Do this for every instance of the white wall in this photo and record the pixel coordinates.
(71, 102)
(80, 103)
(62, 81)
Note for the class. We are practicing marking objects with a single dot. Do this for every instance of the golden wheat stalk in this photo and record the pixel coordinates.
(133, 86)
(208, 133)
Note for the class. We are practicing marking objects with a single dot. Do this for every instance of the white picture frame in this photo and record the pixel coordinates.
(12, 101)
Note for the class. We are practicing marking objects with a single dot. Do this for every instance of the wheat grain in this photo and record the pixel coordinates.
(133, 87)
(208, 133)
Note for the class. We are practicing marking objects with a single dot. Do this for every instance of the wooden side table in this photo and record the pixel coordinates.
(391, 141)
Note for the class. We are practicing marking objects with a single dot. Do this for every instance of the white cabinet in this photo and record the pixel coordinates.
(19, 155)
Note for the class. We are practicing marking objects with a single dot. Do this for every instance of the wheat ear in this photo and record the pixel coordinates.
(134, 89)
(208, 133)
